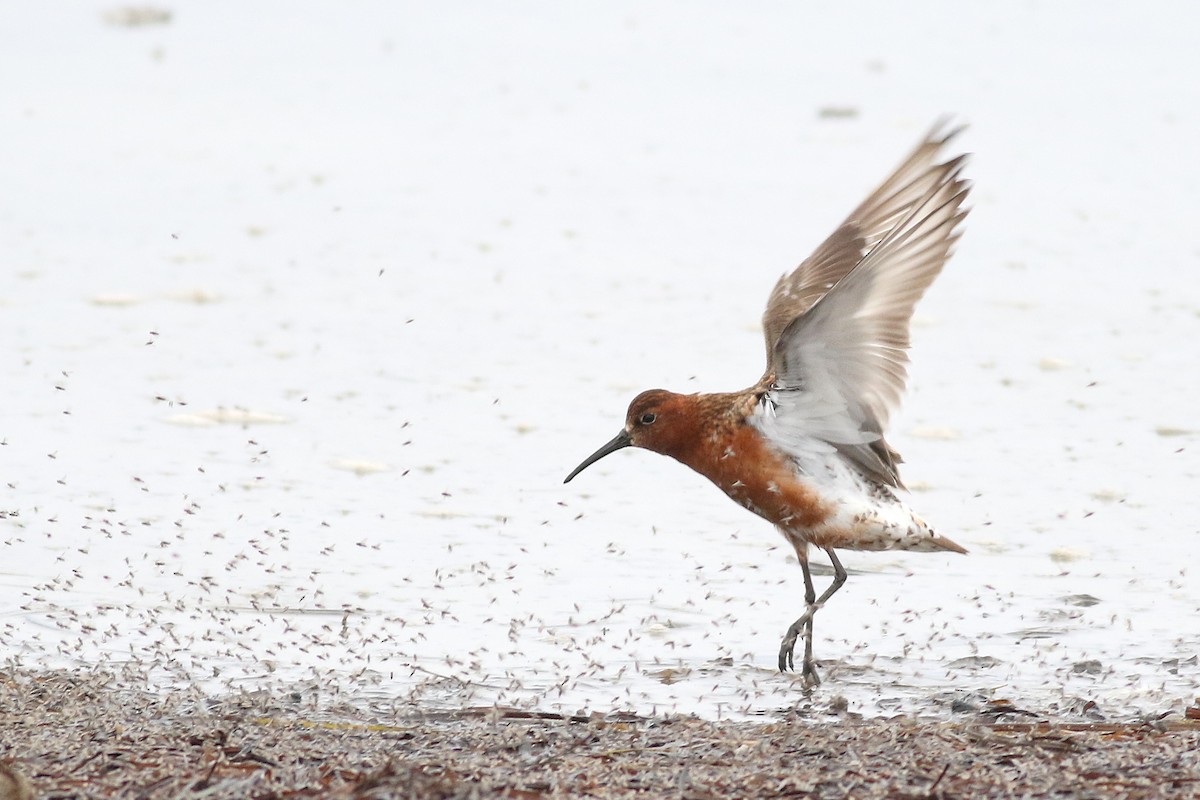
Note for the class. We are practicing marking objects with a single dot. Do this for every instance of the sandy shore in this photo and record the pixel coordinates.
(77, 735)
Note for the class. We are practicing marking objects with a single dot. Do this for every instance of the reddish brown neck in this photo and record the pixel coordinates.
(694, 427)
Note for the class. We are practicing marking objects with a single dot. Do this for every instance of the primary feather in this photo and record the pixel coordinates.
(837, 327)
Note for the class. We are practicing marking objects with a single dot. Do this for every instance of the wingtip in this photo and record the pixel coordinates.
(945, 128)
(949, 545)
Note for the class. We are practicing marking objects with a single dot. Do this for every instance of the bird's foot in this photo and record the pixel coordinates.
(787, 661)
(809, 674)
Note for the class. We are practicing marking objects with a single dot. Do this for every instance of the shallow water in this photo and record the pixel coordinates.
(304, 328)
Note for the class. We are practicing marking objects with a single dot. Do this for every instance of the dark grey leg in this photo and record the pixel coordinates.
(801, 625)
(804, 625)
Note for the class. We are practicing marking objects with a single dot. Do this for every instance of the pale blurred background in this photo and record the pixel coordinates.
(308, 308)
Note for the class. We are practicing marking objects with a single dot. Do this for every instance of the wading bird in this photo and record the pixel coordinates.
(804, 447)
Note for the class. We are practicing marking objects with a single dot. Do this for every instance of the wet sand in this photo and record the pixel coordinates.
(94, 735)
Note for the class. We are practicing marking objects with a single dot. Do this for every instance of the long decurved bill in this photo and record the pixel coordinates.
(621, 440)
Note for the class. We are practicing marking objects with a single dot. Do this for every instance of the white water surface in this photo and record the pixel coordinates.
(307, 309)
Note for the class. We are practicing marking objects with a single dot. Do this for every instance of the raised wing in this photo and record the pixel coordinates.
(840, 367)
(862, 231)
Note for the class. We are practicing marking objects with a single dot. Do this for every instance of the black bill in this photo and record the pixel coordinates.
(621, 440)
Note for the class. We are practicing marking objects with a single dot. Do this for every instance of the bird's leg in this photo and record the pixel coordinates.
(839, 578)
(809, 669)
(805, 623)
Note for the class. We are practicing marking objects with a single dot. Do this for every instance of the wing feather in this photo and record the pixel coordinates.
(837, 370)
(796, 291)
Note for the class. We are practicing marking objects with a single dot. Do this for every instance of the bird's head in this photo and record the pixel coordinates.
(657, 420)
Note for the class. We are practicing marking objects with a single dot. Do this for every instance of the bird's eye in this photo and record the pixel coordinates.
(648, 418)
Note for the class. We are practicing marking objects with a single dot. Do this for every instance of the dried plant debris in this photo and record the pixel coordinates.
(14, 785)
(73, 735)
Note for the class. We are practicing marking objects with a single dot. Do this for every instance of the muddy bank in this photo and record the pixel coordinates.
(78, 735)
